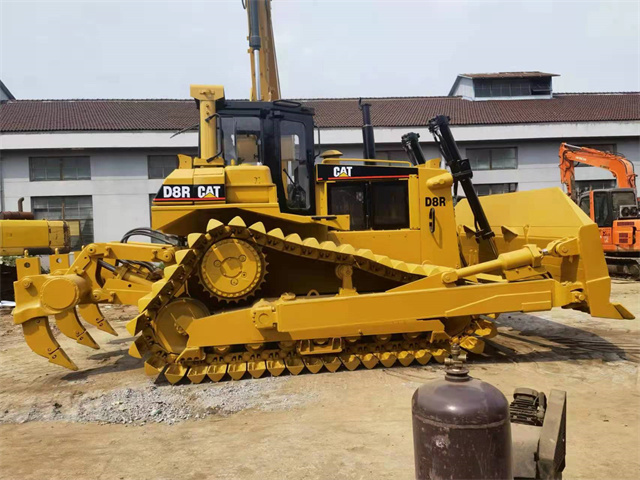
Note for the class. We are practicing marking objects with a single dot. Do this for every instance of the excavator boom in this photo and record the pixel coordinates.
(618, 165)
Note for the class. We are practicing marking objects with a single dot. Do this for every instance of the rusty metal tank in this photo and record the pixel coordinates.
(461, 427)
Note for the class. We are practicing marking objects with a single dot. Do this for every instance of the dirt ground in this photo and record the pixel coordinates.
(109, 421)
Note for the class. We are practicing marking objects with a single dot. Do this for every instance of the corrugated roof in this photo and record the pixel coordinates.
(136, 115)
(509, 75)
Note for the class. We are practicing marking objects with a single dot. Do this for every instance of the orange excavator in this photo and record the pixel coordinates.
(615, 210)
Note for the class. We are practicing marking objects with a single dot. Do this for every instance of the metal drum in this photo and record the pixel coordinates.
(461, 427)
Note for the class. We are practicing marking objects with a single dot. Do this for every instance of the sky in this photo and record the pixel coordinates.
(369, 48)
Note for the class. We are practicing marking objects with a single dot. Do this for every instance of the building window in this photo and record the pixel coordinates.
(59, 168)
(160, 166)
(494, 188)
(76, 211)
(493, 158)
(588, 185)
(514, 87)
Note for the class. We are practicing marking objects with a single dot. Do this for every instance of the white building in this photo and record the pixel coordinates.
(100, 161)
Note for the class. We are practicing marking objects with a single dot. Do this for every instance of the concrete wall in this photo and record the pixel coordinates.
(119, 187)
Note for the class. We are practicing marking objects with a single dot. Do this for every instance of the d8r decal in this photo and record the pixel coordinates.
(435, 201)
(190, 193)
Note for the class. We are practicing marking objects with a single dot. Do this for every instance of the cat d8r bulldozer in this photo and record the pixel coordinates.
(275, 263)
(277, 259)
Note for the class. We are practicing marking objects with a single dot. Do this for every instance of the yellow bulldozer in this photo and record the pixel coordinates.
(276, 259)
(21, 234)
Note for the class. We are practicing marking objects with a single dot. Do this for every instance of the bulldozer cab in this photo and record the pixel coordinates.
(375, 194)
(276, 134)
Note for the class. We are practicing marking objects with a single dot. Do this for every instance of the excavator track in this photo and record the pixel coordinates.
(167, 353)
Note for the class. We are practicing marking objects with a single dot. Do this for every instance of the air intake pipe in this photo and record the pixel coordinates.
(367, 131)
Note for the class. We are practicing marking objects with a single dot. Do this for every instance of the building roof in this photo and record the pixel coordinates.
(140, 115)
(6, 91)
(509, 75)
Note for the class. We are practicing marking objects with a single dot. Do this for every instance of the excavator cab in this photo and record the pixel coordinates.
(608, 205)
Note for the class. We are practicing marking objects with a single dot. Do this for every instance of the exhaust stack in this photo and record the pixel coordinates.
(367, 131)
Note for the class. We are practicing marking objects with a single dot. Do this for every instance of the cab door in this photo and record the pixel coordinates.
(293, 139)
(603, 216)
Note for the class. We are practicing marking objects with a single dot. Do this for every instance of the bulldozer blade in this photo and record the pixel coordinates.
(216, 371)
(68, 323)
(331, 362)
(554, 217)
(38, 336)
(313, 364)
(276, 367)
(197, 373)
(91, 314)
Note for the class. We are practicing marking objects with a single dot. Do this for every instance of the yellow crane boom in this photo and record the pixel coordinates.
(265, 84)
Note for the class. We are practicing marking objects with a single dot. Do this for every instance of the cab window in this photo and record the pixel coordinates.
(585, 205)
(294, 165)
(602, 209)
(241, 140)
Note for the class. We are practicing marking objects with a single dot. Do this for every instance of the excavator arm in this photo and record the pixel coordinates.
(618, 165)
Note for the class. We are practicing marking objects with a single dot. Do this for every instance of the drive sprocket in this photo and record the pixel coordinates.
(232, 269)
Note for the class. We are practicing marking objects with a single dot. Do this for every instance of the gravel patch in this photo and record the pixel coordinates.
(167, 404)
